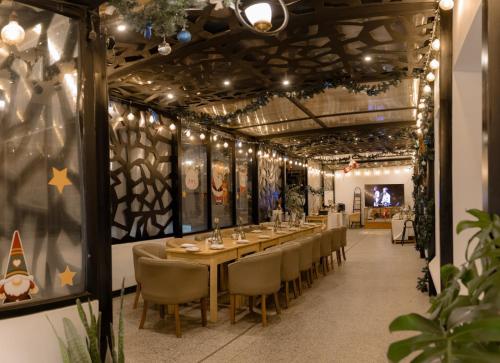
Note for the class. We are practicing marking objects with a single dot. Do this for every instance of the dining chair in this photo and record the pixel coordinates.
(290, 256)
(316, 255)
(151, 250)
(343, 240)
(305, 260)
(336, 244)
(166, 282)
(255, 275)
(326, 250)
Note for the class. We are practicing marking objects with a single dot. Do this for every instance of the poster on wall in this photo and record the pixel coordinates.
(192, 179)
(243, 177)
(220, 182)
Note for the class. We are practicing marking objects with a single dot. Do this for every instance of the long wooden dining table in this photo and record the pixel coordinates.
(257, 241)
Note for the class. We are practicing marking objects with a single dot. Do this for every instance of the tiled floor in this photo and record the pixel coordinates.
(344, 317)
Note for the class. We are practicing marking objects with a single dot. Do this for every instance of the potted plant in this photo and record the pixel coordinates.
(462, 326)
(295, 201)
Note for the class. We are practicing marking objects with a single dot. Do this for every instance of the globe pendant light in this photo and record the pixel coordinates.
(12, 33)
(436, 44)
(430, 77)
(259, 17)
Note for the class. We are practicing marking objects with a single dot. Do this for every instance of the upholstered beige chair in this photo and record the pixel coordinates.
(256, 275)
(326, 250)
(305, 260)
(151, 250)
(336, 244)
(167, 282)
(316, 255)
(343, 240)
(290, 272)
(355, 218)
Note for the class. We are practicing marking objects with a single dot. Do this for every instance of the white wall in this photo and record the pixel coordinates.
(30, 338)
(467, 117)
(345, 184)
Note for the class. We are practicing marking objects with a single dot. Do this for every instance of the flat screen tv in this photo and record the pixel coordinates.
(384, 195)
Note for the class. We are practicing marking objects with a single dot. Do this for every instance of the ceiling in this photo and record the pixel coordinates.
(325, 40)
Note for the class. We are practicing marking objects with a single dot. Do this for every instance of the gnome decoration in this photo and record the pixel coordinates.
(17, 285)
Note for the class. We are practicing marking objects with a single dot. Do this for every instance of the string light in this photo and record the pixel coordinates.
(427, 89)
(121, 27)
(240, 144)
(226, 145)
(434, 64)
(446, 4)
(436, 44)
(12, 33)
(130, 116)
(202, 136)
(172, 127)
(430, 77)
(250, 151)
(188, 132)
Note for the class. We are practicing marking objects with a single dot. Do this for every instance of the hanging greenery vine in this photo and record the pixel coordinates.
(300, 94)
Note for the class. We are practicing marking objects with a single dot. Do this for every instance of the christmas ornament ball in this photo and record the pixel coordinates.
(184, 36)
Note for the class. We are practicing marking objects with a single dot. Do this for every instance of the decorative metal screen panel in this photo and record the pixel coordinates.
(141, 175)
(270, 186)
(42, 255)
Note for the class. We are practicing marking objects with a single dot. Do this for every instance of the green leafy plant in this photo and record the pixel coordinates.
(75, 348)
(460, 328)
(295, 199)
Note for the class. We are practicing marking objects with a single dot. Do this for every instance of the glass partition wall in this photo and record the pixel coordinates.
(194, 182)
(221, 184)
(244, 183)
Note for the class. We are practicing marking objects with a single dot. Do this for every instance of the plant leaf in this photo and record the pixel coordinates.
(62, 346)
(402, 348)
(78, 352)
(415, 322)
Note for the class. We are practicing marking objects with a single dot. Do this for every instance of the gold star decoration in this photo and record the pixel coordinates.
(60, 179)
(67, 277)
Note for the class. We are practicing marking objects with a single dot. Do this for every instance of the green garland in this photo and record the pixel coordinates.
(424, 201)
(305, 93)
(163, 17)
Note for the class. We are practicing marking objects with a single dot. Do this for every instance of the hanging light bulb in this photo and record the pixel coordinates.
(258, 152)
(434, 64)
(421, 106)
(130, 116)
(172, 127)
(202, 136)
(436, 44)
(260, 16)
(427, 89)
(188, 132)
(446, 4)
(430, 77)
(12, 33)
(226, 145)
(240, 144)
(419, 123)
(250, 151)
(215, 137)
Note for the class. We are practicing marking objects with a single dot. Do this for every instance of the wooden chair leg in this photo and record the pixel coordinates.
(144, 312)
(137, 294)
(277, 303)
(316, 271)
(339, 259)
(232, 308)
(324, 267)
(203, 303)
(295, 290)
(263, 310)
(343, 253)
(177, 321)
(250, 303)
(287, 296)
(162, 311)
(300, 283)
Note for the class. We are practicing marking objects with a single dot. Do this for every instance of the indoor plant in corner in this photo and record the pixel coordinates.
(77, 349)
(460, 327)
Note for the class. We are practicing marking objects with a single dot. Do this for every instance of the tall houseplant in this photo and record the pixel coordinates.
(461, 328)
(295, 200)
(75, 348)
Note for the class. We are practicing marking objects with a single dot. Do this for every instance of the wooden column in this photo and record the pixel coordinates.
(445, 139)
(491, 106)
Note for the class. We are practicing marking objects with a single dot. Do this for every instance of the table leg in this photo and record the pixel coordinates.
(213, 292)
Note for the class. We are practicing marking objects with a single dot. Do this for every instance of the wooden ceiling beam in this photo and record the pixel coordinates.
(353, 113)
(339, 129)
(307, 111)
